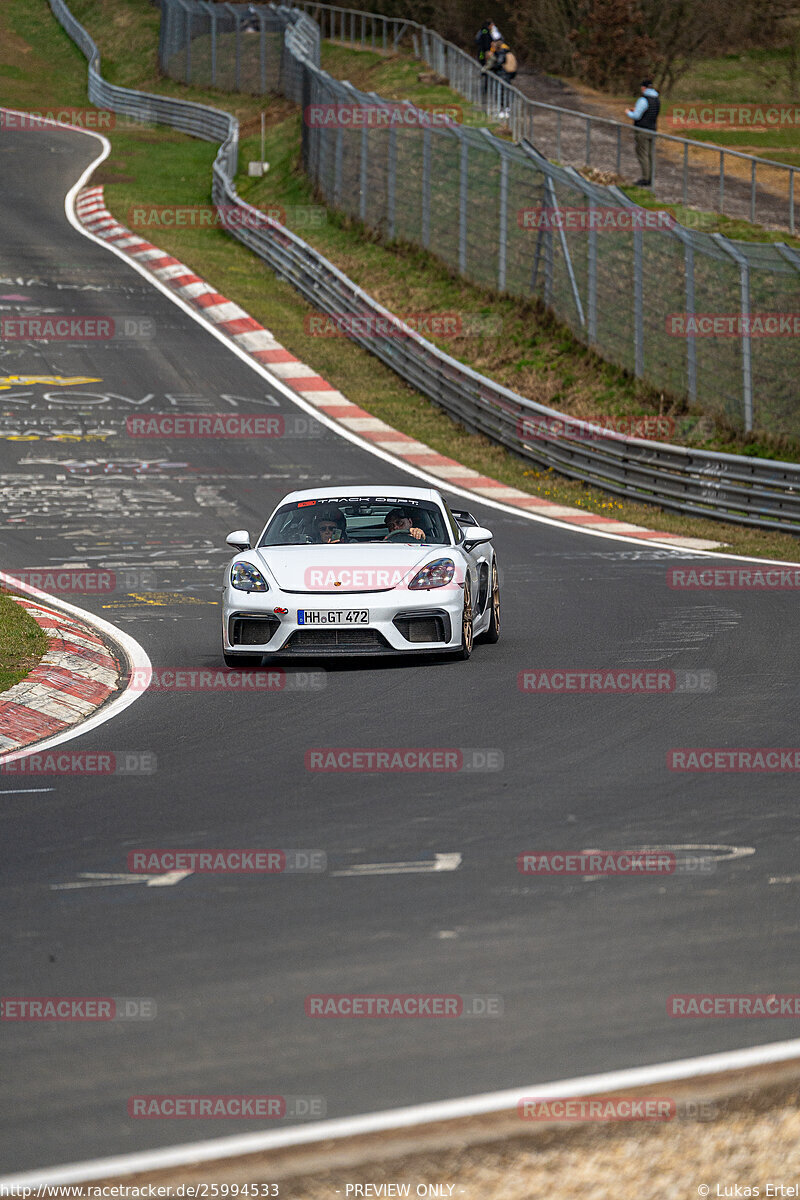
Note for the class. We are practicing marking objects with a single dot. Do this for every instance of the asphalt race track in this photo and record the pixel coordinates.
(584, 967)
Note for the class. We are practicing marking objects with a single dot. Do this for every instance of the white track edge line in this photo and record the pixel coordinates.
(137, 657)
(404, 1118)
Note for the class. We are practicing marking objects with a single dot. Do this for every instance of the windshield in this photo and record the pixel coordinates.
(357, 519)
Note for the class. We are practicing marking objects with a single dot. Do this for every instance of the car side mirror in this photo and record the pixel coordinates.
(476, 535)
(239, 539)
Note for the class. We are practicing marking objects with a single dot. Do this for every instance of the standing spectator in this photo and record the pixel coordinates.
(483, 40)
(483, 43)
(503, 63)
(644, 115)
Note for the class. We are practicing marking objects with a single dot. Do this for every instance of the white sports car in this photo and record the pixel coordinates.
(360, 570)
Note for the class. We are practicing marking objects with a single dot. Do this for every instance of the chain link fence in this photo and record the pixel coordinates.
(729, 487)
(637, 287)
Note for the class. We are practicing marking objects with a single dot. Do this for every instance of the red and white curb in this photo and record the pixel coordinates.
(262, 346)
(73, 679)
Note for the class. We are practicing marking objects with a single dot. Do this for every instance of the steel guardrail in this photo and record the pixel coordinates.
(751, 491)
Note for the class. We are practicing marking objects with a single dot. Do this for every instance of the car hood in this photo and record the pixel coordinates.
(361, 567)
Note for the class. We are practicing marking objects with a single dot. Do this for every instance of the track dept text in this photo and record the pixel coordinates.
(602, 219)
(57, 1008)
(383, 760)
(721, 117)
(379, 116)
(597, 1110)
(607, 862)
(207, 1106)
(207, 861)
(234, 425)
(383, 1006)
(372, 325)
(204, 216)
(56, 329)
(733, 324)
(74, 118)
(756, 1005)
(718, 759)
(588, 679)
(733, 578)
(61, 764)
(87, 582)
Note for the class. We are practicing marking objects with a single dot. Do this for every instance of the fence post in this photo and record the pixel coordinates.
(638, 303)
(363, 175)
(262, 49)
(592, 275)
(391, 180)
(188, 33)
(337, 169)
(503, 230)
(747, 358)
(463, 191)
(426, 187)
(691, 344)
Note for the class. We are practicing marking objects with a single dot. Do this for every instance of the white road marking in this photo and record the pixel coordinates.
(136, 655)
(103, 879)
(405, 1118)
(728, 853)
(785, 879)
(20, 791)
(440, 862)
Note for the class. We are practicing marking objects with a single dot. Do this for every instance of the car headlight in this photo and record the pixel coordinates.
(247, 578)
(434, 575)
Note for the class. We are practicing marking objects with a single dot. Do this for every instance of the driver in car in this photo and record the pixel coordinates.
(330, 525)
(400, 521)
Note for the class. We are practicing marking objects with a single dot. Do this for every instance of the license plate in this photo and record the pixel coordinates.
(322, 616)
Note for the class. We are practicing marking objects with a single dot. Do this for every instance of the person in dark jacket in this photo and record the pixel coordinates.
(644, 115)
(483, 44)
(502, 62)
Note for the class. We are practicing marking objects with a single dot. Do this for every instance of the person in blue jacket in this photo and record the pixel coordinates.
(644, 115)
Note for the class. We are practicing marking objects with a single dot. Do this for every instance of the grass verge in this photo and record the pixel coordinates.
(22, 642)
(534, 356)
